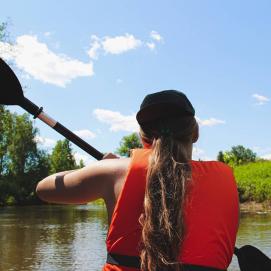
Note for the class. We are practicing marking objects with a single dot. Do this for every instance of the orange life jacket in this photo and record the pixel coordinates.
(211, 214)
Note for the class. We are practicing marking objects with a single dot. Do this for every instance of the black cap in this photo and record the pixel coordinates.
(163, 104)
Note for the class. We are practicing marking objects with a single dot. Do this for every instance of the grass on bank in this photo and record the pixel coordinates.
(254, 181)
(98, 202)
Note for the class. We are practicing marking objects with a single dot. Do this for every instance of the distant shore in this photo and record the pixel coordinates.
(245, 207)
(254, 207)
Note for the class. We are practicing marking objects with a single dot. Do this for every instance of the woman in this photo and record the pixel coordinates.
(165, 211)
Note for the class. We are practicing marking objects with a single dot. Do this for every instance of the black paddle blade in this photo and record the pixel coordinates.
(11, 92)
(251, 258)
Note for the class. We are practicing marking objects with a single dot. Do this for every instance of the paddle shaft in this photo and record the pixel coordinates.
(38, 113)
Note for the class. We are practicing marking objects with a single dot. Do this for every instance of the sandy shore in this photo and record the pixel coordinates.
(253, 206)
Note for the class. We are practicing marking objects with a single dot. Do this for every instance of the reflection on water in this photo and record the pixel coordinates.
(57, 238)
(254, 229)
(52, 238)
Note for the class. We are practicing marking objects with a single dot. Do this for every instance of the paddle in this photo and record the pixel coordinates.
(251, 258)
(11, 93)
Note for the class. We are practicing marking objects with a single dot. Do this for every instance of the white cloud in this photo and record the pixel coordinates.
(266, 156)
(45, 142)
(94, 47)
(151, 45)
(120, 44)
(117, 121)
(260, 99)
(86, 134)
(156, 36)
(7, 51)
(210, 122)
(35, 58)
(263, 152)
(199, 154)
(79, 156)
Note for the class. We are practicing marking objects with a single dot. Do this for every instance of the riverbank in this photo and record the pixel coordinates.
(255, 207)
(245, 207)
(254, 182)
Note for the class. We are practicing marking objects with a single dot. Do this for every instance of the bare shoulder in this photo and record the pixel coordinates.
(97, 180)
(108, 168)
(109, 175)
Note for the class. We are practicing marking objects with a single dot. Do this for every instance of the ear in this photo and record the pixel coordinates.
(195, 135)
(146, 144)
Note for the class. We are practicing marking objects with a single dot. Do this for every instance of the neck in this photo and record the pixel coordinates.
(188, 148)
(190, 151)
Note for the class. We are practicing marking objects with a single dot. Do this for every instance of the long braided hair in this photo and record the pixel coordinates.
(167, 177)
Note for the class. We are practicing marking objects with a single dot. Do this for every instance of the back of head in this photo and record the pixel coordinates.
(167, 123)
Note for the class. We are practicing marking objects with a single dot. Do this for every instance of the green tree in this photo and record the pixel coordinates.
(238, 155)
(27, 165)
(4, 37)
(5, 139)
(3, 31)
(3, 115)
(23, 148)
(4, 185)
(22, 165)
(243, 155)
(127, 143)
(220, 156)
(81, 164)
(62, 157)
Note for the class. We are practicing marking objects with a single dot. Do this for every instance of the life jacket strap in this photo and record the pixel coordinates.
(123, 260)
(134, 262)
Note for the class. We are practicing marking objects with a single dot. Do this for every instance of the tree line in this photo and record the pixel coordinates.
(23, 163)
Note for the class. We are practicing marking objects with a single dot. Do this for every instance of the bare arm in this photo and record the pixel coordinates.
(94, 181)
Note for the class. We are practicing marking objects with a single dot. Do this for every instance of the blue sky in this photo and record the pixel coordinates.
(90, 64)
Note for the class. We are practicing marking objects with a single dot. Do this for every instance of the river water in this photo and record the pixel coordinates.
(71, 238)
